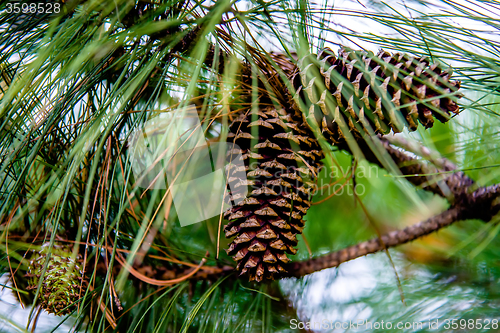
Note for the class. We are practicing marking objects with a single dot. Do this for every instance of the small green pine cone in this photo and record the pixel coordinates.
(63, 282)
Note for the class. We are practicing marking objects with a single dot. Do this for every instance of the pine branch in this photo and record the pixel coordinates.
(481, 204)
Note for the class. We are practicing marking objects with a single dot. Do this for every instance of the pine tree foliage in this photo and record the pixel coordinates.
(75, 85)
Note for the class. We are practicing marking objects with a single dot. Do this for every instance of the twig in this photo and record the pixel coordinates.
(443, 181)
(422, 151)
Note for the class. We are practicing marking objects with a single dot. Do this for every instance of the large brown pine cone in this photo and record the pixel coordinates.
(281, 159)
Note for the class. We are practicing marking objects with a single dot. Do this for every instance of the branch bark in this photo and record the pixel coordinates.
(379, 244)
(481, 204)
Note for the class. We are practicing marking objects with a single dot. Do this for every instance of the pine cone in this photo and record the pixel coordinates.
(63, 282)
(281, 158)
(384, 91)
